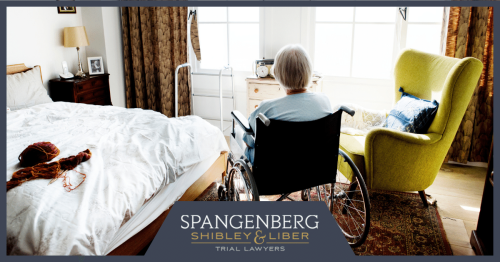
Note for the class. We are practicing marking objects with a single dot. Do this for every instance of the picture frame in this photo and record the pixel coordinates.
(96, 65)
(66, 9)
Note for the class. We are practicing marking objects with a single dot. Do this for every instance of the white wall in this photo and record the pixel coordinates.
(103, 26)
(282, 27)
(35, 37)
(92, 20)
(112, 24)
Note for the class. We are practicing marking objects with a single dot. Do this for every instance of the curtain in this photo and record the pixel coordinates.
(195, 40)
(154, 44)
(470, 33)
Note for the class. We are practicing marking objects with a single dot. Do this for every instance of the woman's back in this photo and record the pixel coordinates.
(294, 108)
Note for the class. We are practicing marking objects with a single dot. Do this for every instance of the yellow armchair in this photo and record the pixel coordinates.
(398, 161)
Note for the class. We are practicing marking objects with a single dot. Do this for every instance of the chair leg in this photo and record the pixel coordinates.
(424, 198)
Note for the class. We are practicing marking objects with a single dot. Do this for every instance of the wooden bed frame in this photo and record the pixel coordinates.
(18, 68)
(139, 241)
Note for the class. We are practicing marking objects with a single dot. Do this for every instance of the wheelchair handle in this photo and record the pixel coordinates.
(347, 110)
(264, 119)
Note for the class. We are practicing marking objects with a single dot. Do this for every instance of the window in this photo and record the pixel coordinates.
(362, 42)
(228, 35)
(423, 28)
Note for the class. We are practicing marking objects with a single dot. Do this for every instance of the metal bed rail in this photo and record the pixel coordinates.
(220, 96)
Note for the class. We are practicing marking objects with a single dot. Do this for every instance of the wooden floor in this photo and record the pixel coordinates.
(458, 190)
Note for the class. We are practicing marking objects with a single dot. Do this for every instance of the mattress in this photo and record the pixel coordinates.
(136, 155)
(160, 203)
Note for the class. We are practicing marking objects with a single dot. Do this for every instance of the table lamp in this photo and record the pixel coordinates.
(76, 37)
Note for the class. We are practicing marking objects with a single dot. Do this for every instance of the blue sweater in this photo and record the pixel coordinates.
(293, 108)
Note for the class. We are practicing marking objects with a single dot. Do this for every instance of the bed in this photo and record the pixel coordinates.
(142, 162)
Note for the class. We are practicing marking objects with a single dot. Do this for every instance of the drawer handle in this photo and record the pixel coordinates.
(256, 106)
(256, 90)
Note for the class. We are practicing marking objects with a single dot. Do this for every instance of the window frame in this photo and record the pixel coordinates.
(404, 27)
(401, 30)
(196, 65)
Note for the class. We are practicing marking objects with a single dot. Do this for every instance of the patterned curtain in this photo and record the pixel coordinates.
(470, 33)
(195, 40)
(154, 44)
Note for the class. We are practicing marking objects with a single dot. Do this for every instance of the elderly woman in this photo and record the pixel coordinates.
(293, 70)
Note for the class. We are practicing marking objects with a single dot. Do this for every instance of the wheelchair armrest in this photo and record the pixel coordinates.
(242, 121)
(347, 110)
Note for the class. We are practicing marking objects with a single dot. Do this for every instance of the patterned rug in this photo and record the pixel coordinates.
(400, 225)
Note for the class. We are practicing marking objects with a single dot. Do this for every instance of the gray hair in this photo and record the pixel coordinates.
(293, 67)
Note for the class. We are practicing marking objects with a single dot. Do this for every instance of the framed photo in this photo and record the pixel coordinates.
(66, 9)
(96, 66)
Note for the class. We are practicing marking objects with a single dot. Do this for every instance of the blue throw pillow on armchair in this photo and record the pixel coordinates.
(412, 114)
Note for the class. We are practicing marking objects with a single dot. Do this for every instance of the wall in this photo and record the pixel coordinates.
(112, 24)
(103, 26)
(92, 20)
(35, 37)
(282, 27)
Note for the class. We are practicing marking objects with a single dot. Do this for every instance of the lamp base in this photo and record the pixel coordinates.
(81, 74)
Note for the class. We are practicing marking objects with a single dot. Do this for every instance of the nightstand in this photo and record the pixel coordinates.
(91, 90)
(260, 89)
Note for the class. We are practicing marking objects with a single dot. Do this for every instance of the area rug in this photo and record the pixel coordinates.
(400, 225)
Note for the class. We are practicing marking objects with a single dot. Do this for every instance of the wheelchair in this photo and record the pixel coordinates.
(300, 156)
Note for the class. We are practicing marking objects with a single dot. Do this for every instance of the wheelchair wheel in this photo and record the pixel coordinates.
(349, 201)
(240, 183)
(230, 161)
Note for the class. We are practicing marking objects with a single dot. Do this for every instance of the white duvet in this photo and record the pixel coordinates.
(134, 153)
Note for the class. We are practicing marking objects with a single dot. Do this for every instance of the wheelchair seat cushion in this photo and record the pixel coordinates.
(354, 147)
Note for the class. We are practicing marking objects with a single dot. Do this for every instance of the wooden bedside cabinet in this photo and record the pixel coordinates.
(91, 90)
(260, 89)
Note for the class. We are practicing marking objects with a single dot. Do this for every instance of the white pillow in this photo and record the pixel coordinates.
(26, 89)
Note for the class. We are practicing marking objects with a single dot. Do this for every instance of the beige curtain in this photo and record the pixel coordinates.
(154, 44)
(195, 40)
(470, 33)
